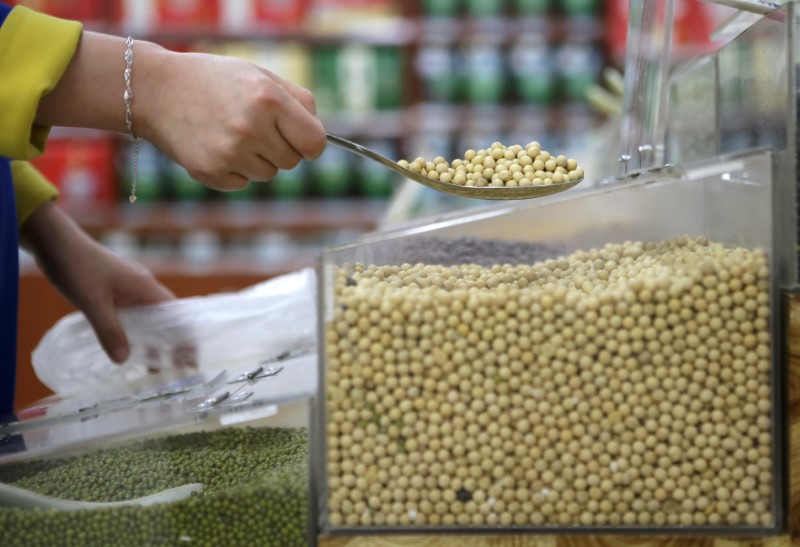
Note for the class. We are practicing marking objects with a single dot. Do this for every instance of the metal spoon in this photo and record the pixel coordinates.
(476, 192)
(13, 496)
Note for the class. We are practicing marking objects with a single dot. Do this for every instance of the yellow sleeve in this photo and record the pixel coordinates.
(31, 189)
(35, 50)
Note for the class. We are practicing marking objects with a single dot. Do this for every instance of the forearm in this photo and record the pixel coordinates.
(99, 61)
(50, 228)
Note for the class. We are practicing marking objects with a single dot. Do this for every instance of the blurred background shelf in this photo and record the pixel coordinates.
(396, 32)
(226, 219)
(387, 33)
(508, 29)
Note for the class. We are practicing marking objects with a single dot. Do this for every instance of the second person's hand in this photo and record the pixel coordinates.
(95, 280)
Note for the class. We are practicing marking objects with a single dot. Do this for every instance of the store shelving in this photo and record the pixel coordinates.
(505, 29)
(300, 217)
(393, 33)
(401, 32)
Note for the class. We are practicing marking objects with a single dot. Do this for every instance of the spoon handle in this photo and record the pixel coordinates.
(364, 152)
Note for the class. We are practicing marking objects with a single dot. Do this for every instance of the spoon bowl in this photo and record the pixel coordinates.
(475, 192)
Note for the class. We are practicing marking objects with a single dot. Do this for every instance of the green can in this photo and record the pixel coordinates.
(436, 66)
(325, 80)
(532, 7)
(289, 184)
(389, 82)
(579, 66)
(374, 180)
(182, 186)
(580, 7)
(484, 77)
(533, 71)
(485, 8)
(441, 8)
(332, 174)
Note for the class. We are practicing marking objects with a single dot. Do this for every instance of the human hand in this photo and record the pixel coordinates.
(225, 120)
(94, 279)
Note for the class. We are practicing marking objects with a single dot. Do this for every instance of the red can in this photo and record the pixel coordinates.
(82, 168)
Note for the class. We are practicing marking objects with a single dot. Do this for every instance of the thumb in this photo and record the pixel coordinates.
(106, 325)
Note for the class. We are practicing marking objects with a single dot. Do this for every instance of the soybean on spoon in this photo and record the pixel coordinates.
(475, 192)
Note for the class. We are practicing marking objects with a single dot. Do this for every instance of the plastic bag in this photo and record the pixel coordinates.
(227, 331)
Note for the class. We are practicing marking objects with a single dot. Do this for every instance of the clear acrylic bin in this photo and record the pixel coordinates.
(600, 360)
(240, 438)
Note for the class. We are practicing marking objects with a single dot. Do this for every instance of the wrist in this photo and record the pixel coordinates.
(33, 232)
(149, 71)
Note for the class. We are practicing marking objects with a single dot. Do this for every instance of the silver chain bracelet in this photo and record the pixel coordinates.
(128, 98)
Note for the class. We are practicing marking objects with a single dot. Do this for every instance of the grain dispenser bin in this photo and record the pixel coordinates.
(608, 360)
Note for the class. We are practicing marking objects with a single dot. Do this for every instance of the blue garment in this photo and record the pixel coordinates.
(9, 279)
(9, 288)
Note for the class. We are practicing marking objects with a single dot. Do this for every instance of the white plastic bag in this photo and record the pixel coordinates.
(228, 331)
